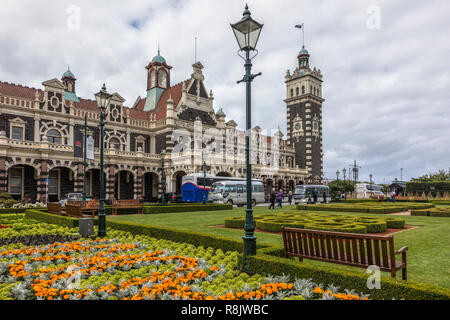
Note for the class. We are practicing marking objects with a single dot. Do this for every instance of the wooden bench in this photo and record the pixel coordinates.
(351, 249)
(55, 208)
(89, 207)
(127, 204)
(77, 211)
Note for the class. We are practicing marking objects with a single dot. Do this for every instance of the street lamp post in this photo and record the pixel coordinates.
(103, 99)
(163, 179)
(344, 171)
(247, 33)
(84, 157)
(204, 182)
(337, 175)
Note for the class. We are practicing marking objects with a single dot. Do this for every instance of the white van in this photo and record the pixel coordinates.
(303, 194)
(235, 192)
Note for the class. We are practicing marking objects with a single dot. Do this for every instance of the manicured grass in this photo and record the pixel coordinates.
(428, 254)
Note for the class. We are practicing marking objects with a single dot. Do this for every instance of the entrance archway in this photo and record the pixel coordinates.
(60, 183)
(124, 185)
(177, 181)
(150, 187)
(22, 183)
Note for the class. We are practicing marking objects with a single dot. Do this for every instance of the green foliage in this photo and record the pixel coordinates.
(340, 187)
(46, 217)
(441, 175)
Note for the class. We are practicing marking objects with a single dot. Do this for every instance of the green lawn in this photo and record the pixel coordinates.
(428, 254)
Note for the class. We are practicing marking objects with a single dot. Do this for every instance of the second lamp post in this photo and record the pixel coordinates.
(103, 99)
(247, 33)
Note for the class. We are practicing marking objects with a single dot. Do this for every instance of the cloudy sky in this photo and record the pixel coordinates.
(386, 65)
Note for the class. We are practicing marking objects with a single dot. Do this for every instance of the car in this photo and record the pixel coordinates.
(71, 196)
(171, 197)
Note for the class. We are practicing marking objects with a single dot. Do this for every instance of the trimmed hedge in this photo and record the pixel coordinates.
(11, 210)
(441, 202)
(46, 217)
(376, 208)
(331, 222)
(263, 263)
(186, 208)
(434, 212)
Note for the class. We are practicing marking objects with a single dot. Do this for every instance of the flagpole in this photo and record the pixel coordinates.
(84, 156)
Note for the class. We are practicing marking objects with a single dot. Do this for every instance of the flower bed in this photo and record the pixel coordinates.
(332, 222)
(141, 268)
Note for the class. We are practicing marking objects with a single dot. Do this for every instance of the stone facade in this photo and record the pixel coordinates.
(38, 129)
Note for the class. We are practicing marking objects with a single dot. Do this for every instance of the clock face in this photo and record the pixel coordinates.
(298, 126)
(162, 79)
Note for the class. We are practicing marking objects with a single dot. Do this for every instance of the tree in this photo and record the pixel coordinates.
(340, 187)
(441, 175)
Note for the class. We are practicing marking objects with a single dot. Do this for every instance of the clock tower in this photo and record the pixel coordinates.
(158, 80)
(304, 116)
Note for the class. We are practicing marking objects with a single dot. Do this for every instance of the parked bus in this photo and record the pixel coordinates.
(194, 186)
(366, 190)
(235, 192)
(304, 194)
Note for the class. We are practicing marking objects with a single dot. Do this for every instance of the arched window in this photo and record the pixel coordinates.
(297, 91)
(114, 143)
(303, 89)
(292, 93)
(54, 136)
(152, 78)
(162, 79)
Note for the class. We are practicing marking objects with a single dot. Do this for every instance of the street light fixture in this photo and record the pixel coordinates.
(163, 178)
(337, 175)
(344, 171)
(247, 33)
(103, 99)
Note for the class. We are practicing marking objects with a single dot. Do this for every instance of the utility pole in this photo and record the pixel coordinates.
(355, 170)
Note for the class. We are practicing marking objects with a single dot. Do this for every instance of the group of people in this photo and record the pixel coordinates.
(278, 197)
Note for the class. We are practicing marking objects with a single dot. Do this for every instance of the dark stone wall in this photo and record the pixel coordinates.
(161, 141)
(300, 146)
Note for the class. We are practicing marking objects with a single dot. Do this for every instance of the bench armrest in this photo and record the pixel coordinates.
(401, 250)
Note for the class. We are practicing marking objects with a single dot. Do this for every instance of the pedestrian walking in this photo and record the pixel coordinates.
(290, 197)
(324, 197)
(393, 196)
(272, 199)
(315, 195)
(280, 198)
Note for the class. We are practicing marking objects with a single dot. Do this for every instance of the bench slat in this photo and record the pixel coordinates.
(376, 246)
(385, 254)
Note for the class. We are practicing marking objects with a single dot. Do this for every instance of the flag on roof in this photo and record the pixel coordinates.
(299, 26)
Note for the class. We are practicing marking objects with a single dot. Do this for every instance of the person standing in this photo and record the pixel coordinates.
(324, 197)
(280, 198)
(393, 196)
(290, 197)
(272, 199)
(315, 195)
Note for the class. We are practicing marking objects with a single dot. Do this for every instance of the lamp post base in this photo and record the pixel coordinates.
(249, 245)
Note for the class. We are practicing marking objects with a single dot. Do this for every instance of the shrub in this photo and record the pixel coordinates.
(11, 210)
(186, 208)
